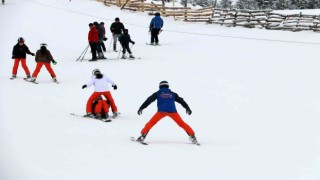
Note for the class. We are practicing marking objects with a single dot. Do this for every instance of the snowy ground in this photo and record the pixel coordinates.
(254, 96)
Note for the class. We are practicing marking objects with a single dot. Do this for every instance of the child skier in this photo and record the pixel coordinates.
(155, 28)
(124, 39)
(166, 107)
(101, 87)
(19, 53)
(44, 57)
(101, 108)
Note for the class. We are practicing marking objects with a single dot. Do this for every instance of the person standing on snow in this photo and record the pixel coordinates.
(166, 107)
(116, 28)
(124, 39)
(104, 37)
(44, 57)
(100, 40)
(93, 36)
(155, 27)
(19, 53)
(101, 87)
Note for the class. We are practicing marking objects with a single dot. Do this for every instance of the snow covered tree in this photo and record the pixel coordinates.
(226, 4)
(246, 4)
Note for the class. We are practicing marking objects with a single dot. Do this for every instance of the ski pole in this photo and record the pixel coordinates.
(84, 51)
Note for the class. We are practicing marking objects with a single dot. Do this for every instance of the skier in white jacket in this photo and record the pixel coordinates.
(101, 87)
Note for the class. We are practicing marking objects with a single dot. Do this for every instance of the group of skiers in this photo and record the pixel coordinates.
(165, 101)
(96, 106)
(97, 34)
(42, 57)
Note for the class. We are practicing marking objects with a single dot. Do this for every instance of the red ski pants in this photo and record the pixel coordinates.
(102, 104)
(23, 63)
(39, 66)
(175, 116)
(95, 95)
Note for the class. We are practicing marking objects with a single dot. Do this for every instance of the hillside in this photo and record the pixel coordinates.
(254, 95)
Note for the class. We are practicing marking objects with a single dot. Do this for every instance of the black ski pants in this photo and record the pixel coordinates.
(125, 47)
(154, 35)
(93, 47)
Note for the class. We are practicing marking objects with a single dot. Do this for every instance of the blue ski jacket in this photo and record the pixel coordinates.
(156, 22)
(165, 101)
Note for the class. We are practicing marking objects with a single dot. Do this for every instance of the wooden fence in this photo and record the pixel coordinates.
(228, 17)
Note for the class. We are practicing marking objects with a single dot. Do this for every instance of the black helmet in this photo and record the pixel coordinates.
(96, 71)
(20, 40)
(90, 24)
(125, 31)
(163, 84)
(157, 14)
(117, 19)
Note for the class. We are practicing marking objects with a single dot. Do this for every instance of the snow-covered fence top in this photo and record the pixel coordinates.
(229, 17)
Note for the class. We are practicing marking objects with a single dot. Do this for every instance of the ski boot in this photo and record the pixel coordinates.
(33, 79)
(28, 77)
(142, 138)
(123, 56)
(54, 80)
(89, 115)
(194, 140)
(13, 76)
(98, 116)
(157, 43)
(131, 56)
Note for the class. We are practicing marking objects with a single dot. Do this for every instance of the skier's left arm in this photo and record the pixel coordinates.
(28, 51)
(131, 40)
(113, 84)
(181, 101)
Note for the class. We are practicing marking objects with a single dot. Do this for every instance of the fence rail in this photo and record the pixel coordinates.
(227, 17)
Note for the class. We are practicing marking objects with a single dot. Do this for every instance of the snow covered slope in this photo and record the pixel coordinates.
(254, 96)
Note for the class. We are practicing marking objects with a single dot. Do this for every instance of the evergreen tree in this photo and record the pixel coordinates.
(226, 4)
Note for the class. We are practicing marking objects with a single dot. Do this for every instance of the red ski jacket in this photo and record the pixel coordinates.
(93, 35)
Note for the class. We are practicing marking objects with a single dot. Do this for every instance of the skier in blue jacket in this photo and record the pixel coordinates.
(155, 28)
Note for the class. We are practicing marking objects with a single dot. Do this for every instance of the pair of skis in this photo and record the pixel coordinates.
(143, 143)
(36, 82)
(101, 119)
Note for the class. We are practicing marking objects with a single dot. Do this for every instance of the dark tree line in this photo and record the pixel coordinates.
(258, 4)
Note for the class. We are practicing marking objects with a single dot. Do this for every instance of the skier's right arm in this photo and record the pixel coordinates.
(149, 100)
(14, 52)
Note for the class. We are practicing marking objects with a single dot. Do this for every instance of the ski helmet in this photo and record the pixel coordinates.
(117, 19)
(163, 84)
(125, 31)
(20, 40)
(96, 71)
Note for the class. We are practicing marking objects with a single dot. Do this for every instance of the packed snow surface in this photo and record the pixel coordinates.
(254, 94)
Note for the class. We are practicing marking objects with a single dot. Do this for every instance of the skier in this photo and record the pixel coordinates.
(101, 108)
(166, 107)
(100, 40)
(116, 28)
(101, 87)
(93, 41)
(19, 53)
(44, 57)
(124, 39)
(104, 37)
(155, 28)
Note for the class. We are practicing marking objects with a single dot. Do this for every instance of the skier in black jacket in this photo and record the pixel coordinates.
(124, 39)
(116, 28)
(19, 53)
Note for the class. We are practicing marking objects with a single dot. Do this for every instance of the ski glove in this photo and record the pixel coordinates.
(189, 112)
(115, 87)
(133, 42)
(13, 57)
(32, 54)
(84, 86)
(54, 62)
(139, 111)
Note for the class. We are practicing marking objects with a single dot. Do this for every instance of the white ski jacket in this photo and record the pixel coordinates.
(101, 85)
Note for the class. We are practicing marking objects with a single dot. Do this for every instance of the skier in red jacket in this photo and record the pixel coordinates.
(93, 41)
(166, 107)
